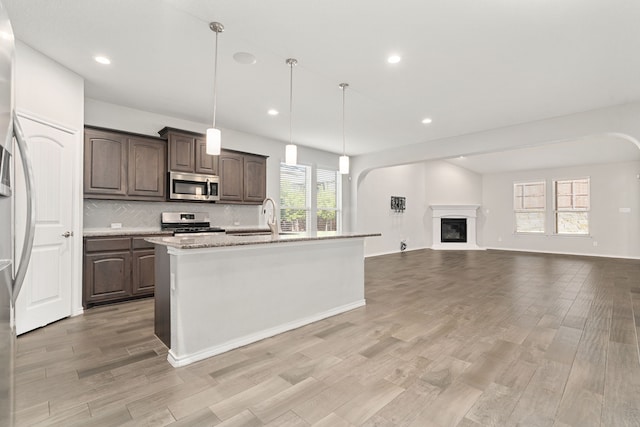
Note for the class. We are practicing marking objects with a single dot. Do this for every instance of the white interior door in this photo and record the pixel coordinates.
(46, 292)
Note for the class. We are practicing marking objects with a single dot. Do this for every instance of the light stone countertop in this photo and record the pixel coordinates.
(108, 232)
(221, 240)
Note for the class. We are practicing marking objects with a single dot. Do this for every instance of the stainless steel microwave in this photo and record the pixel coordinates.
(190, 186)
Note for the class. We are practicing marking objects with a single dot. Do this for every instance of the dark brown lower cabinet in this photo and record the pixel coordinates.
(107, 277)
(117, 269)
(143, 274)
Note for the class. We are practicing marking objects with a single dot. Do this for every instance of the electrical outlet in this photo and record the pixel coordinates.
(595, 243)
(499, 239)
(116, 225)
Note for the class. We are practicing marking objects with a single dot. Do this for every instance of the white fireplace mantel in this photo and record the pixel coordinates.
(470, 212)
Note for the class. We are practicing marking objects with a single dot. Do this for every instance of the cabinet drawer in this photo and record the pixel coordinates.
(109, 244)
(139, 243)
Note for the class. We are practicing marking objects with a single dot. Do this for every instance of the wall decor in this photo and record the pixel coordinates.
(398, 204)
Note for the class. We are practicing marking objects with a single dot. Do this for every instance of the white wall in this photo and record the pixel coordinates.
(98, 113)
(620, 120)
(613, 186)
(423, 184)
(46, 90)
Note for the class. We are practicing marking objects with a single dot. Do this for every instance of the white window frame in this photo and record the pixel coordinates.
(307, 208)
(338, 208)
(543, 210)
(556, 210)
(311, 200)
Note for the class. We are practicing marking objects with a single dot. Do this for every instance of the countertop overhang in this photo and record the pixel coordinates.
(116, 232)
(222, 240)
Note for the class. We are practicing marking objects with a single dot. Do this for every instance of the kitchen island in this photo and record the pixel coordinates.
(217, 293)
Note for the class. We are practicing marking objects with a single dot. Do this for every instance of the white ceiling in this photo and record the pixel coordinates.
(469, 65)
(585, 151)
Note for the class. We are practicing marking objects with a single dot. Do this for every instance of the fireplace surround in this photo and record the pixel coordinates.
(458, 231)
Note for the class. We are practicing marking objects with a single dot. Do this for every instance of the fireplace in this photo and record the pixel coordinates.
(454, 227)
(453, 230)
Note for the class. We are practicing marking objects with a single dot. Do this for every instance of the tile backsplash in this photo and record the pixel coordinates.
(102, 213)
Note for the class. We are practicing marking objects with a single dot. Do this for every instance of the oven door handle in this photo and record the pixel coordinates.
(207, 190)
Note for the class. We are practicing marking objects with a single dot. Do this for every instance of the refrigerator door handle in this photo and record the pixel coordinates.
(27, 245)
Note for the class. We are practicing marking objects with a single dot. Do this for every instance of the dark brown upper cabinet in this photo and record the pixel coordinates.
(121, 165)
(243, 177)
(187, 152)
(147, 160)
(231, 176)
(255, 178)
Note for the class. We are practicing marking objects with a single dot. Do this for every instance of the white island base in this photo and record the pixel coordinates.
(214, 299)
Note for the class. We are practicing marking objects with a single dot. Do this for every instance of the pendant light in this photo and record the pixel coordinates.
(291, 151)
(213, 134)
(344, 159)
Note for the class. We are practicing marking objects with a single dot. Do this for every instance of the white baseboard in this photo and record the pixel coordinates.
(177, 362)
(457, 247)
(395, 252)
(77, 311)
(563, 253)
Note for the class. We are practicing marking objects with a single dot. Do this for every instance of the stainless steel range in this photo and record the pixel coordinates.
(188, 223)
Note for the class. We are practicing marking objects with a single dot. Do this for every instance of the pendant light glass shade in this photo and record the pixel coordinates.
(343, 162)
(344, 165)
(214, 141)
(291, 154)
(214, 138)
(291, 150)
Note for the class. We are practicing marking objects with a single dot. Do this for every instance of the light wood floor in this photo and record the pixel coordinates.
(447, 338)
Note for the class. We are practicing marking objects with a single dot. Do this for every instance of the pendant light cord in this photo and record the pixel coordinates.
(215, 80)
(291, 104)
(344, 88)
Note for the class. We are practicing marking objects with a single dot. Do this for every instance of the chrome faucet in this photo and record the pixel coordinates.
(272, 221)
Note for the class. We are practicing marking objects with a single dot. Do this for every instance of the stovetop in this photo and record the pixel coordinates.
(187, 223)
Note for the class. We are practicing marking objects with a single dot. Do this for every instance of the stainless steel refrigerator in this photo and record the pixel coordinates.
(12, 268)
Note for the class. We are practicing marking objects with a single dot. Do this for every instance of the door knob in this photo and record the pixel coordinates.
(67, 234)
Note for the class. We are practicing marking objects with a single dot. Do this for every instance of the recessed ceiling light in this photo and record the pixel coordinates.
(393, 59)
(461, 157)
(102, 60)
(5, 35)
(426, 120)
(244, 58)
(273, 112)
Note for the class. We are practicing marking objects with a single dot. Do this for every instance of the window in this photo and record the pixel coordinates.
(328, 197)
(305, 207)
(295, 197)
(572, 206)
(529, 206)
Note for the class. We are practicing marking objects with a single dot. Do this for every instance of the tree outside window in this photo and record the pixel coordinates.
(328, 198)
(572, 205)
(294, 197)
(529, 202)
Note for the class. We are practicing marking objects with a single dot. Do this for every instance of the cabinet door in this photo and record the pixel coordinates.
(205, 163)
(255, 178)
(107, 276)
(147, 168)
(181, 153)
(144, 277)
(105, 164)
(231, 176)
